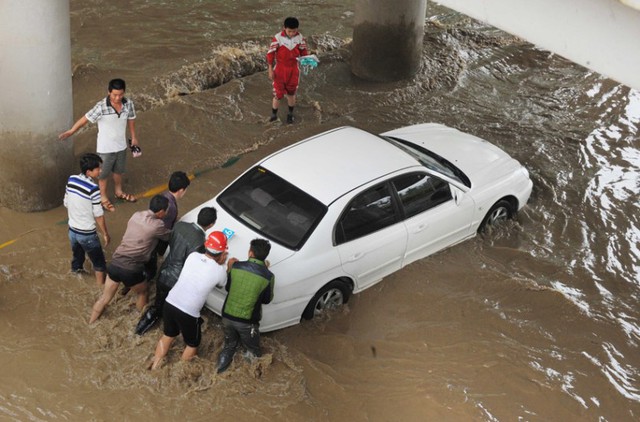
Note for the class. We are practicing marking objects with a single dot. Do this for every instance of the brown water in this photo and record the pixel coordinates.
(538, 321)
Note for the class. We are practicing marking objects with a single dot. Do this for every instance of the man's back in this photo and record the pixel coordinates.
(185, 239)
(250, 284)
(139, 240)
(199, 276)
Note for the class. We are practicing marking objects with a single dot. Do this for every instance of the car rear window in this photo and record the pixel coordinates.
(273, 207)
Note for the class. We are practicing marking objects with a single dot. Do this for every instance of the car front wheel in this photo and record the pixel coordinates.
(500, 212)
(330, 297)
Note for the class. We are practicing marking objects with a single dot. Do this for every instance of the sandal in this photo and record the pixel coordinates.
(107, 205)
(127, 197)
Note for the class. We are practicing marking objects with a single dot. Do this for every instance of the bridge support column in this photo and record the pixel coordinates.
(36, 103)
(387, 39)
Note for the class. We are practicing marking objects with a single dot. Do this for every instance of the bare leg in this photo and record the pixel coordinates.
(100, 277)
(117, 181)
(189, 353)
(142, 290)
(275, 103)
(110, 288)
(161, 351)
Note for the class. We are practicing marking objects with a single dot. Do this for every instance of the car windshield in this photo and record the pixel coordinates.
(431, 160)
(273, 207)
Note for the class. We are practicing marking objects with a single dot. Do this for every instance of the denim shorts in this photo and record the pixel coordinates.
(113, 162)
(88, 244)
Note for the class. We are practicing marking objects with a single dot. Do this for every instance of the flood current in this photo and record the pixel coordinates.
(538, 321)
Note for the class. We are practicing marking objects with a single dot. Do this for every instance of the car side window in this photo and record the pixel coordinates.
(370, 211)
(419, 192)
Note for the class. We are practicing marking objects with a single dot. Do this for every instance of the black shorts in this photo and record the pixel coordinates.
(127, 277)
(176, 322)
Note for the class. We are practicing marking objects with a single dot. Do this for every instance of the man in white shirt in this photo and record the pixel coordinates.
(202, 272)
(113, 114)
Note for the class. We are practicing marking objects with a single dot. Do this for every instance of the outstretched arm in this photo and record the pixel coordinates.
(77, 125)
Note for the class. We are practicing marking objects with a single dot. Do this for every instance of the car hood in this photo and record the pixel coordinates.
(242, 235)
(480, 160)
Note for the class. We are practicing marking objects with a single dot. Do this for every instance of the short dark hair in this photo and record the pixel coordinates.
(89, 162)
(260, 248)
(118, 84)
(178, 180)
(158, 203)
(207, 216)
(291, 23)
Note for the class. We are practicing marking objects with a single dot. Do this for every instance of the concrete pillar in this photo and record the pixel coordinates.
(387, 39)
(36, 103)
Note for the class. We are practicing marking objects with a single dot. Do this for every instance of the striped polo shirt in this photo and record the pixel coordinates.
(82, 199)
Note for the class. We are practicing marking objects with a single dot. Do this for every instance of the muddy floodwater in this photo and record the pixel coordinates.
(538, 321)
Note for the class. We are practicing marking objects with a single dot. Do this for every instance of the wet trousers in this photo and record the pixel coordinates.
(234, 333)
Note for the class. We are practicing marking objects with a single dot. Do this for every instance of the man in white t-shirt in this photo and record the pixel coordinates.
(113, 114)
(202, 272)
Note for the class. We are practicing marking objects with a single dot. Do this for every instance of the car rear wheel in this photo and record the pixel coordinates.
(330, 297)
(500, 212)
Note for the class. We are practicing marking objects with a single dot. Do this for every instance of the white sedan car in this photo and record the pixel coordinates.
(346, 208)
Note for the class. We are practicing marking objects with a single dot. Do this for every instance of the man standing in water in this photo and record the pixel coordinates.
(127, 266)
(250, 284)
(202, 272)
(113, 114)
(82, 199)
(178, 184)
(282, 61)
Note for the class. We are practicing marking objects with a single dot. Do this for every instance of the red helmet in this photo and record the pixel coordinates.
(216, 243)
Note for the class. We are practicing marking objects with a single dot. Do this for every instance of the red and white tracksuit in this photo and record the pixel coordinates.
(283, 53)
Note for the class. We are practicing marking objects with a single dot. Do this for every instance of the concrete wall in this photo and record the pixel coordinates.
(36, 104)
(602, 35)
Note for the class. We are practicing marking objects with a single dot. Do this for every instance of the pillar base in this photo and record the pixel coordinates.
(34, 171)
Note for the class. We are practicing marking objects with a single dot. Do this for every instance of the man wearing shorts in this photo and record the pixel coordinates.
(113, 114)
(202, 272)
(127, 266)
(282, 61)
(82, 200)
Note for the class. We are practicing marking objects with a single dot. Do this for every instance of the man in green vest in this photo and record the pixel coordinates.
(250, 284)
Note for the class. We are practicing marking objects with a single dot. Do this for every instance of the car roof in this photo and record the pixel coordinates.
(328, 165)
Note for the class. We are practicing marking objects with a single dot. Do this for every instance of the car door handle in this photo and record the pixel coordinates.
(356, 256)
(420, 228)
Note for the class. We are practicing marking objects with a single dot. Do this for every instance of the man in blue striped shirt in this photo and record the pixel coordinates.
(83, 201)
